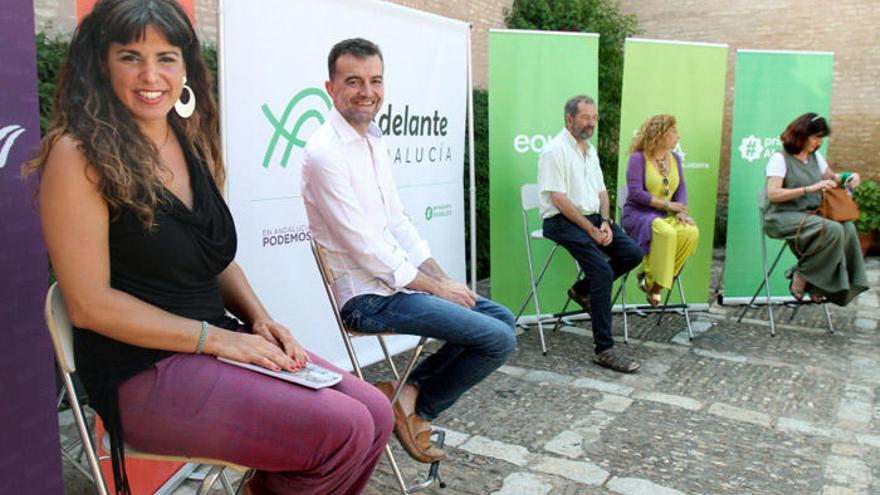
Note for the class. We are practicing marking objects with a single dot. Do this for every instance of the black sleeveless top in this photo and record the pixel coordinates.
(174, 266)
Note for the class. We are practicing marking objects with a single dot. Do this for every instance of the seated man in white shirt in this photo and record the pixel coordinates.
(386, 279)
(576, 213)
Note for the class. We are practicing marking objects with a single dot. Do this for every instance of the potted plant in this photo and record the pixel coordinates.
(867, 196)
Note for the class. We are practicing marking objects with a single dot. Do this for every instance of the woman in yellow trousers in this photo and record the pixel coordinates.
(655, 214)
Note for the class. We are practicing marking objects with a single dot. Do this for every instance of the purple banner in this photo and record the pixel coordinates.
(30, 460)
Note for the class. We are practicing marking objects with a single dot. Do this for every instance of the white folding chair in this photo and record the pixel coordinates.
(328, 279)
(765, 284)
(61, 332)
(622, 195)
(529, 201)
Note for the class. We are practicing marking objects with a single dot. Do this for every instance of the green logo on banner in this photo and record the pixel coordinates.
(280, 124)
(438, 211)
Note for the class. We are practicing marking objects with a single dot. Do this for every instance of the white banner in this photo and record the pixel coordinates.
(273, 62)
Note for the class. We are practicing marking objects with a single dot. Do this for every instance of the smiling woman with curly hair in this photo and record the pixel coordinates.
(143, 246)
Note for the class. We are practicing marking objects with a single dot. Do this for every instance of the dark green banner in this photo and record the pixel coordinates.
(772, 89)
(531, 75)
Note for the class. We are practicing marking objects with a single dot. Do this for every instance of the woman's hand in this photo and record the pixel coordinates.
(822, 185)
(676, 207)
(684, 218)
(277, 334)
(247, 348)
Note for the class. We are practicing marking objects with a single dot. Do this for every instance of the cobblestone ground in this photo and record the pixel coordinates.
(732, 412)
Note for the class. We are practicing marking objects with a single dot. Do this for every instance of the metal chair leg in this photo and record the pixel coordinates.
(411, 363)
(663, 308)
(794, 312)
(227, 484)
(388, 357)
(621, 293)
(84, 433)
(687, 316)
(395, 469)
(828, 318)
(767, 281)
(533, 292)
(763, 282)
(210, 479)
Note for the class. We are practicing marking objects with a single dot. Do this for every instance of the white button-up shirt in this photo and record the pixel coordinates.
(355, 213)
(562, 168)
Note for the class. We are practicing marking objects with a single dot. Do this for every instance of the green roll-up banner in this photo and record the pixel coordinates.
(531, 75)
(687, 81)
(772, 89)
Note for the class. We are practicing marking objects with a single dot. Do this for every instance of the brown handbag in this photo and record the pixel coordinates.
(836, 205)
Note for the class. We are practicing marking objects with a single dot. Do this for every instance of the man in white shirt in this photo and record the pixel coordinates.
(386, 279)
(576, 213)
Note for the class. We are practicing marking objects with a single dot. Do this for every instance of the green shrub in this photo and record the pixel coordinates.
(51, 53)
(867, 196)
(481, 154)
(592, 16)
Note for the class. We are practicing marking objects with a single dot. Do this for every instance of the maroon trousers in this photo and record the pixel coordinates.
(299, 440)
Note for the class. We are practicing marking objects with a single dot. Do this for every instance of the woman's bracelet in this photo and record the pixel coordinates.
(202, 337)
(666, 205)
(844, 176)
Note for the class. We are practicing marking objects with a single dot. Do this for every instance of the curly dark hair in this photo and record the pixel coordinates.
(86, 108)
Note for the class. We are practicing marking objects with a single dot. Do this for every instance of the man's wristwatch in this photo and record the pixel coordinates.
(608, 219)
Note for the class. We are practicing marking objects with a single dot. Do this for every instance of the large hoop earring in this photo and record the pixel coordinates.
(186, 109)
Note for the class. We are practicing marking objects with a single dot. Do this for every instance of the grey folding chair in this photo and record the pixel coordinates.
(61, 332)
(529, 201)
(328, 278)
(765, 284)
(622, 195)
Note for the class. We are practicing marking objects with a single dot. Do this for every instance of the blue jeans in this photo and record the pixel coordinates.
(599, 273)
(477, 341)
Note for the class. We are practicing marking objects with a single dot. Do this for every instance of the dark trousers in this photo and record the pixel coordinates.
(599, 272)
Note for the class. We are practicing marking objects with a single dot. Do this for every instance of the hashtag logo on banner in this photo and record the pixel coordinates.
(8, 135)
(750, 148)
(319, 98)
(678, 150)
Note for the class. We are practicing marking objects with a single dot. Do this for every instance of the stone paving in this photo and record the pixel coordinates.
(732, 412)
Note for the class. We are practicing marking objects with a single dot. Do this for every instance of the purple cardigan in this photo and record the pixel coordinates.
(637, 211)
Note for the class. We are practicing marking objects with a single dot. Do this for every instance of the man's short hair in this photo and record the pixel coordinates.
(356, 47)
(571, 106)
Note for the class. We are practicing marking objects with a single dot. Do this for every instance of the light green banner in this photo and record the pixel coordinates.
(685, 80)
(531, 75)
(772, 89)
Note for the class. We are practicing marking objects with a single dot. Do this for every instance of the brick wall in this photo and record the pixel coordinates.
(56, 17)
(482, 14)
(59, 16)
(846, 27)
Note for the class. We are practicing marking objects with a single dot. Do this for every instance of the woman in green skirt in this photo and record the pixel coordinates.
(830, 264)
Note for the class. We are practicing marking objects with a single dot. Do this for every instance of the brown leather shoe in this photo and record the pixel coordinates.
(615, 360)
(413, 432)
(582, 299)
